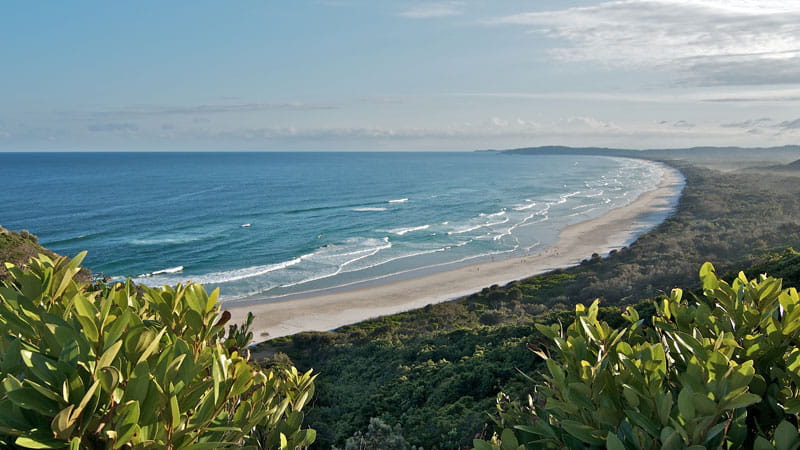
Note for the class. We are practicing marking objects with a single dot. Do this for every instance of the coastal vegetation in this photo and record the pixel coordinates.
(123, 366)
(719, 370)
(436, 371)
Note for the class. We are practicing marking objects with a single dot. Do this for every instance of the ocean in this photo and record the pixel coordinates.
(271, 225)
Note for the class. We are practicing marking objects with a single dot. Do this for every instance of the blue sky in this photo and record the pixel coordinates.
(398, 75)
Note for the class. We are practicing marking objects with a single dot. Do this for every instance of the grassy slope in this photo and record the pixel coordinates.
(19, 247)
(436, 371)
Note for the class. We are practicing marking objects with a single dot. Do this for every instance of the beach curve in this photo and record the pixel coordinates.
(613, 230)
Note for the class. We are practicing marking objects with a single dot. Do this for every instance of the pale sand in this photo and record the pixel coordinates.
(613, 230)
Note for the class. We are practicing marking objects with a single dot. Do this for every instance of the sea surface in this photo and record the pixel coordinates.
(271, 225)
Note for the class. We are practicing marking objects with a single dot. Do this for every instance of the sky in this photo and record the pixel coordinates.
(397, 74)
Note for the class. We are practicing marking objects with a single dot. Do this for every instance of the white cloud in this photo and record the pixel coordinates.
(585, 123)
(716, 41)
(433, 10)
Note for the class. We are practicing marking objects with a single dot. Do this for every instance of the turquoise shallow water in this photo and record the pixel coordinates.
(272, 224)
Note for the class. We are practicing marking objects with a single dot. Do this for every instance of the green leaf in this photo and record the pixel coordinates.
(613, 442)
(582, 432)
(139, 383)
(708, 276)
(549, 331)
(762, 444)
(742, 401)
(509, 440)
(685, 404)
(208, 446)
(108, 356)
(478, 444)
(39, 442)
(89, 328)
(126, 419)
(84, 307)
(175, 412)
(704, 405)
(63, 423)
(785, 436)
(109, 378)
(29, 398)
(85, 400)
(152, 347)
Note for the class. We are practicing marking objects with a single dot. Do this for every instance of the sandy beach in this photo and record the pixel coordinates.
(613, 230)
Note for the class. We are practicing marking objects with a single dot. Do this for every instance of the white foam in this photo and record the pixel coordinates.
(565, 197)
(601, 192)
(368, 209)
(162, 272)
(466, 230)
(492, 224)
(245, 225)
(525, 206)
(174, 239)
(402, 231)
(399, 200)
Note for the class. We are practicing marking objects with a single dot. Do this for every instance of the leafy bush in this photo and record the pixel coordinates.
(133, 367)
(719, 371)
(379, 436)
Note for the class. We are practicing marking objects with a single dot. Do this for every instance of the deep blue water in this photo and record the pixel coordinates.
(269, 224)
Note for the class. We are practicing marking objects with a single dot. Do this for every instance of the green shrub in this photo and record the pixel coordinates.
(719, 371)
(379, 436)
(128, 366)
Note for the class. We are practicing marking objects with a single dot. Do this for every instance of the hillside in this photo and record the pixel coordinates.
(793, 168)
(19, 247)
(718, 158)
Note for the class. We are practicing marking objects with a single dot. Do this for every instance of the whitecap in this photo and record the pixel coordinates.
(525, 206)
(402, 231)
(162, 272)
(399, 200)
(368, 209)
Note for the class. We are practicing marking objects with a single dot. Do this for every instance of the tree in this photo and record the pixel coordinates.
(379, 436)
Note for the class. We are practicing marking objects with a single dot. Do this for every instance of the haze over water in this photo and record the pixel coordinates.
(272, 224)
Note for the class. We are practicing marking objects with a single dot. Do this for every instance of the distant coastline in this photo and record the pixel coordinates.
(330, 310)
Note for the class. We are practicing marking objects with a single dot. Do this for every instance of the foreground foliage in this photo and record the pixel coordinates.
(719, 371)
(128, 366)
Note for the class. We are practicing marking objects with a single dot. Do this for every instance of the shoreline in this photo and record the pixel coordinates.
(327, 311)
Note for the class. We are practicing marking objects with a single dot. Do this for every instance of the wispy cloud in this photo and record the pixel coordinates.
(716, 42)
(112, 127)
(195, 110)
(790, 125)
(748, 123)
(766, 125)
(432, 10)
(751, 94)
